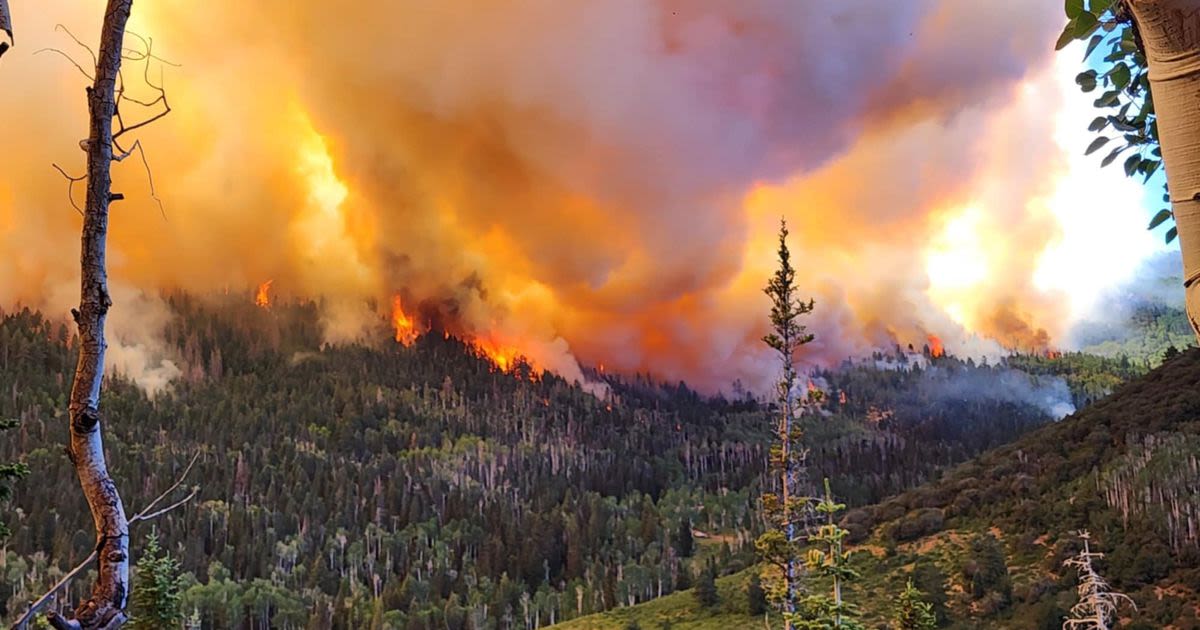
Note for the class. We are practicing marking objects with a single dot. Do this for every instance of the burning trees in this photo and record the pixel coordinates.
(787, 509)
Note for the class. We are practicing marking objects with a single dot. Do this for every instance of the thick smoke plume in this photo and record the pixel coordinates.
(1050, 394)
(591, 181)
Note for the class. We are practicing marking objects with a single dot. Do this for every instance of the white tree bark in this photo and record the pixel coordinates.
(110, 593)
(1170, 31)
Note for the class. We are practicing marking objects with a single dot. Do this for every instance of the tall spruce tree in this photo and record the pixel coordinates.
(156, 589)
(706, 587)
(784, 510)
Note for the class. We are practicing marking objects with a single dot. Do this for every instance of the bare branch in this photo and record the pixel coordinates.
(69, 58)
(121, 96)
(60, 27)
(120, 154)
(71, 187)
(182, 476)
(138, 55)
(145, 515)
(139, 125)
(140, 517)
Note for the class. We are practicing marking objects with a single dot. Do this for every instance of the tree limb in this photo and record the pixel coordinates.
(71, 187)
(144, 515)
(69, 58)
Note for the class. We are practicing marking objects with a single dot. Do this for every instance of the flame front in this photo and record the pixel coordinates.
(262, 297)
(406, 330)
(477, 170)
(936, 348)
(504, 356)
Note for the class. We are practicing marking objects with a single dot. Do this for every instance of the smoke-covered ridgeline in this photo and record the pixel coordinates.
(587, 182)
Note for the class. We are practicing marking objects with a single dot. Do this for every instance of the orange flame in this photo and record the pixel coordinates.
(406, 331)
(263, 297)
(936, 349)
(503, 356)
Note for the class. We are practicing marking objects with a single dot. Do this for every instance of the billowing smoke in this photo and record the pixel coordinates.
(1048, 393)
(588, 181)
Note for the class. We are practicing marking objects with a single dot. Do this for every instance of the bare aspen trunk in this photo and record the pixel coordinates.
(105, 608)
(1170, 32)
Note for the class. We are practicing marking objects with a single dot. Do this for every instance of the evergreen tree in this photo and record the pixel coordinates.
(1098, 606)
(829, 559)
(154, 604)
(929, 579)
(8, 474)
(912, 611)
(756, 597)
(785, 509)
(683, 541)
(987, 569)
(706, 587)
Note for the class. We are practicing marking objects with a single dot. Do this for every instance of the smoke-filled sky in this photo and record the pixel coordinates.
(590, 180)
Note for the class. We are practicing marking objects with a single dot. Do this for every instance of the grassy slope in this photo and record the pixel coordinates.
(1032, 494)
(680, 610)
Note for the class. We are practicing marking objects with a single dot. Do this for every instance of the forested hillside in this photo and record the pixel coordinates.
(986, 543)
(387, 486)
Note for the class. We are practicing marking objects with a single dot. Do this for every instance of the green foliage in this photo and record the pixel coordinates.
(517, 476)
(1128, 120)
(706, 586)
(912, 611)
(829, 559)
(154, 603)
(985, 569)
(1012, 516)
(756, 597)
(9, 473)
(786, 309)
(683, 541)
(928, 578)
(1142, 339)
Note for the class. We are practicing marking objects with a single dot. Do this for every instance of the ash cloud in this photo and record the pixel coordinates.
(609, 173)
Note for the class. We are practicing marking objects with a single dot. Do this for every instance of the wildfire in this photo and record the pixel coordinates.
(262, 298)
(503, 356)
(406, 330)
(936, 349)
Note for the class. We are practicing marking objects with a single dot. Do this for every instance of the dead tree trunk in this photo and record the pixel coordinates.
(105, 609)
